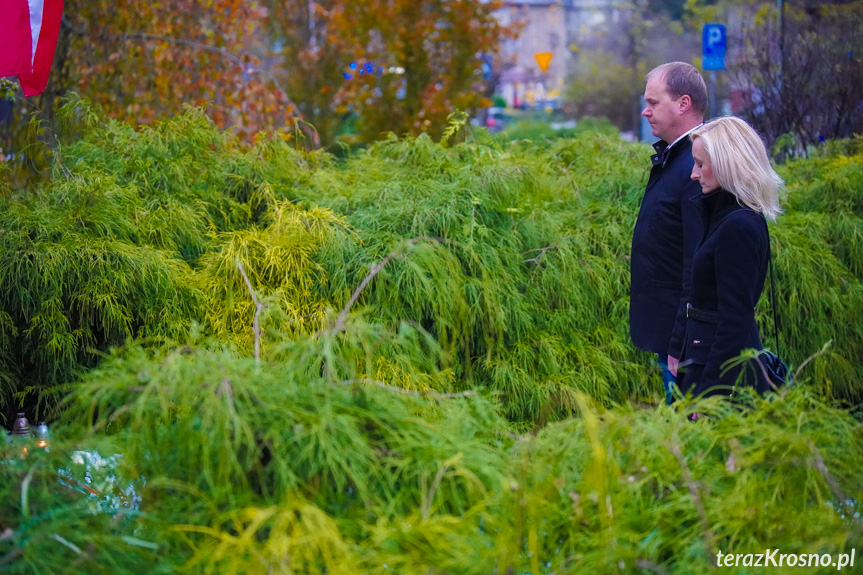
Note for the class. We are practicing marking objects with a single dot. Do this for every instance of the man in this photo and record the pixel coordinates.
(669, 225)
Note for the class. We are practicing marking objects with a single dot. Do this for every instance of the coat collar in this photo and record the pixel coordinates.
(664, 149)
(664, 152)
(714, 207)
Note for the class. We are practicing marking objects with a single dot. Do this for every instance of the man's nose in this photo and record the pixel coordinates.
(645, 111)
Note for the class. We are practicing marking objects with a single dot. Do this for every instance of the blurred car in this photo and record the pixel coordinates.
(496, 119)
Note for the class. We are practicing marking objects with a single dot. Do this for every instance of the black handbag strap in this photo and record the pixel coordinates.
(773, 291)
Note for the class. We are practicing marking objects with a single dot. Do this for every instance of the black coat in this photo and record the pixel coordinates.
(729, 267)
(666, 233)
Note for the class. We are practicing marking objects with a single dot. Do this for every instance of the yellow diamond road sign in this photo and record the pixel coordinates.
(543, 59)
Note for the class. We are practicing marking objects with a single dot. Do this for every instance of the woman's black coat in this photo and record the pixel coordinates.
(729, 267)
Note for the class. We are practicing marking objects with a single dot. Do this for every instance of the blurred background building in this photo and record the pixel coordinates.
(553, 32)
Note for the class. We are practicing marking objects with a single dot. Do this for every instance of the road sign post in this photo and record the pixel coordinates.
(713, 57)
(543, 60)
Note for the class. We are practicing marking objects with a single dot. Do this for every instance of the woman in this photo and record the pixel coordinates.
(739, 189)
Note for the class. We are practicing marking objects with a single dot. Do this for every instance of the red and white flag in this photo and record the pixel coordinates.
(28, 38)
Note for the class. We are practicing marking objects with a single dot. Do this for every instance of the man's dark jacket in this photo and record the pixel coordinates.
(666, 233)
(729, 267)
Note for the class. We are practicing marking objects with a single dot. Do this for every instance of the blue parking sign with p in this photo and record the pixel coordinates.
(713, 46)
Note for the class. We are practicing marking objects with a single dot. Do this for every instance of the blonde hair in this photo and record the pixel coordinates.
(740, 164)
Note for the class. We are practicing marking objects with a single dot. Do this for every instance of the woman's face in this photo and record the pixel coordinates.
(703, 169)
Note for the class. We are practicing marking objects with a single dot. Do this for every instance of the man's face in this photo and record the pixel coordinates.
(661, 110)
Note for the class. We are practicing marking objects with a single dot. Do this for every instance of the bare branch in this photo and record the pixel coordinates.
(822, 351)
(819, 464)
(258, 307)
(67, 543)
(227, 390)
(542, 251)
(25, 487)
(116, 414)
(427, 507)
(693, 492)
(340, 321)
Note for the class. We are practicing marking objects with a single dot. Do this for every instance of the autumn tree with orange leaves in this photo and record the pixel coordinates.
(401, 65)
(142, 60)
(277, 65)
(310, 60)
(422, 59)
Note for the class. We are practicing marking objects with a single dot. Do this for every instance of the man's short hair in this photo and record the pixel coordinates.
(683, 79)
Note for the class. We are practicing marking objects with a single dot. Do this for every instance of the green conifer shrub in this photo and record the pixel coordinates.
(514, 257)
(439, 380)
(244, 467)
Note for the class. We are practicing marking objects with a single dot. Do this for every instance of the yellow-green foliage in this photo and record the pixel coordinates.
(464, 408)
(514, 257)
(819, 256)
(275, 468)
(280, 262)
